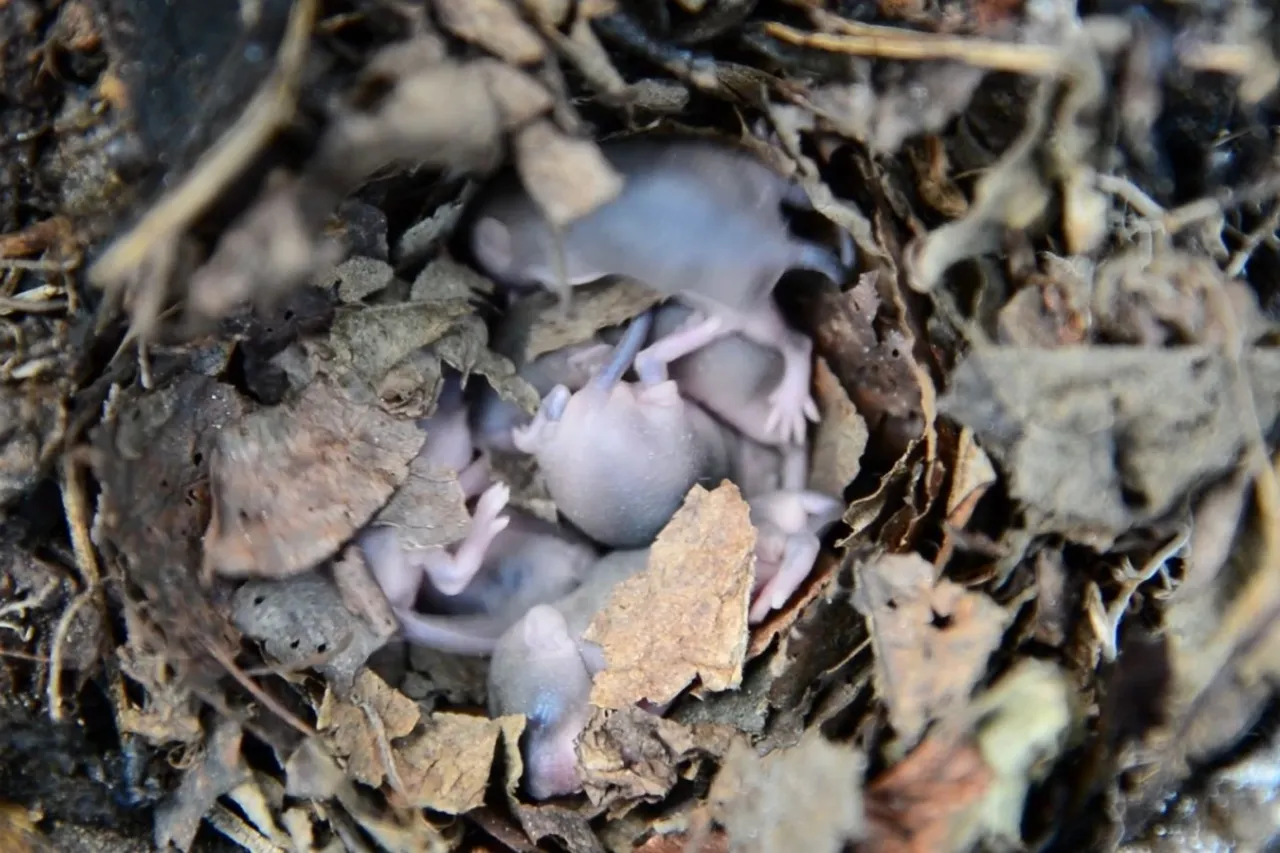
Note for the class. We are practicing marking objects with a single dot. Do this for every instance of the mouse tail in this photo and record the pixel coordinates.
(624, 354)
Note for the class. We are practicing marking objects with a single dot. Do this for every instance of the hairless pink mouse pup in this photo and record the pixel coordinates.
(695, 219)
(542, 668)
(619, 457)
(506, 563)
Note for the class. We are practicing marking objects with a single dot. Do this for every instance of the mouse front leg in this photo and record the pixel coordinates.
(450, 573)
(791, 406)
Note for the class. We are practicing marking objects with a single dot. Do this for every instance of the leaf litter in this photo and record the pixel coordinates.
(1047, 397)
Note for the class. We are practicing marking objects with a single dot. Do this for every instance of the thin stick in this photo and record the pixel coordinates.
(54, 688)
(892, 43)
(271, 109)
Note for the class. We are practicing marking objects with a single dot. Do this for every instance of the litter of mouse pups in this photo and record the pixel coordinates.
(864, 447)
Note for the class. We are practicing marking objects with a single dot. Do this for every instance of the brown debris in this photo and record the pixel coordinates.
(494, 25)
(290, 484)
(567, 177)
(1096, 440)
(808, 797)
(360, 727)
(913, 807)
(631, 755)
(220, 770)
(931, 640)
(685, 617)
(840, 438)
(302, 622)
(153, 466)
(447, 766)
(595, 307)
(874, 365)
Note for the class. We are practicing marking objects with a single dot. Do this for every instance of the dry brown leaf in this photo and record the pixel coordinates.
(840, 438)
(276, 245)
(808, 797)
(931, 641)
(429, 509)
(912, 807)
(632, 754)
(1169, 298)
(1051, 309)
(302, 622)
(350, 733)
(358, 277)
(595, 307)
(373, 339)
(874, 365)
(493, 25)
(972, 474)
(1096, 440)
(447, 766)
(567, 178)
(446, 281)
(569, 826)
(685, 617)
(292, 483)
(153, 466)
(436, 112)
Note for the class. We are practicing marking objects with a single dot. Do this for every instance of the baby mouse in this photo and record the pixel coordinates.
(696, 219)
(542, 668)
(693, 215)
(530, 561)
(619, 457)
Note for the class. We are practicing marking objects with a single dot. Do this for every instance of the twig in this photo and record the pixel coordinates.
(1131, 194)
(54, 687)
(1251, 242)
(271, 109)
(261, 695)
(893, 43)
(230, 825)
(384, 749)
(42, 265)
(1106, 620)
(75, 504)
(31, 602)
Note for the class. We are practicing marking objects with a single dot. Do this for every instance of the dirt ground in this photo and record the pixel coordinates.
(239, 274)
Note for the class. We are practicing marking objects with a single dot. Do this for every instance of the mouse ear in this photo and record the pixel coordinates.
(491, 241)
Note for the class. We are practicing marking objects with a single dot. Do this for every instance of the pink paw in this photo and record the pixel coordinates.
(791, 407)
(489, 507)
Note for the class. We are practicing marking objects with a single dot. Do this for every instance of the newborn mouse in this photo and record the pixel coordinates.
(528, 562)
(695, 219)
(542, 668)
(692, 215)
(617, 457)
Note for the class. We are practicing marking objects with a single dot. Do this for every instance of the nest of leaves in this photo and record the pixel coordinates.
(231, 283)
